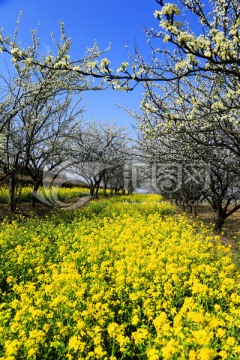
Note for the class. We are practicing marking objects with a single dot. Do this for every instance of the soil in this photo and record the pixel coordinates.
(25, 209)
(230, 234)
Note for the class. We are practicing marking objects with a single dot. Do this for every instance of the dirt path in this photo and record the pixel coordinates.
(41, 209)
(230, 234)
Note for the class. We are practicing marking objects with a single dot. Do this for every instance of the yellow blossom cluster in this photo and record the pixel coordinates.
(123, 278)
(25, 193)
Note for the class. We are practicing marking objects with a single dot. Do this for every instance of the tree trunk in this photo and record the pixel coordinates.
(220, 219)
(195, 211)
(105, 191)
(96, 192)
(12, 186)
(35, 189)
(189, 209)
(219, 223)
(183, 207)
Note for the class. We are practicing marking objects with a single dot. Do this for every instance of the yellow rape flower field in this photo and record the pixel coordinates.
(123, 278)
(25, 193)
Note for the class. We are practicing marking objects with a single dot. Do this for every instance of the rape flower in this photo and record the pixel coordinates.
(102, 286)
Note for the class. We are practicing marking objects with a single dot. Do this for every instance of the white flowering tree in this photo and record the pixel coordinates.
(209, 42)
(34, 137)
(47, 140)
(98, 151)
(183, 122)
(36, 97)
(92, 65)
(35, 115)
(182, 55)
(198, 109)
(212, 44)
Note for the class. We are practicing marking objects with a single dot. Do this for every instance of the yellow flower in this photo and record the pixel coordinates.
(135, 320)
(140, 335)
(151, 283)
(74, 343)
(223, 354)
(205, 354)
(220, 333)
(152, 354)
(32, 352)
(112, 329)
(169, 350)
(192, 355)
(99, 351)
(201, 337)
(160, 320)
(12, 347)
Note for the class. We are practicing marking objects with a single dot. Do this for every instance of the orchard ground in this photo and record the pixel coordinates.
(229, 236)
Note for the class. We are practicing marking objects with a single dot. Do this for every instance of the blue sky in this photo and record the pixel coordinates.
(120, 23)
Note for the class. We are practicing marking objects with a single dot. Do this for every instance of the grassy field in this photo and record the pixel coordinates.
(123, 278)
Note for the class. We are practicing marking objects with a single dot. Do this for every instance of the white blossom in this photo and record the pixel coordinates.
(170, 9)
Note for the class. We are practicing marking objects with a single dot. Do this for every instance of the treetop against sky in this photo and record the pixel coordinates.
(86, 21)
(210, 44)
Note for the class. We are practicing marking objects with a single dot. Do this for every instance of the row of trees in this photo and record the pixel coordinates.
(44, 133)
(181, 124)
(98, 154)
(38, 109)
(41, 122)
(190, 109)
(193, 117)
